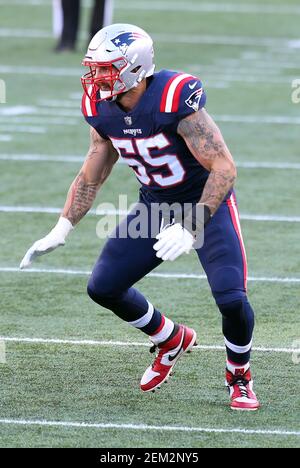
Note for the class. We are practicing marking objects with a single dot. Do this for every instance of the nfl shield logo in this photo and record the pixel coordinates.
(128, 120)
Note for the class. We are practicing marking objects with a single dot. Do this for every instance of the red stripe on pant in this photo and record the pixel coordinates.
(232, 205)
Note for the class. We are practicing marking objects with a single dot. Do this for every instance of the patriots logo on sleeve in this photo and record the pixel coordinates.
(123, 41)
(194, 100)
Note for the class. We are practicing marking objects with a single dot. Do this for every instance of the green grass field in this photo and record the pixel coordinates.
(247, 60)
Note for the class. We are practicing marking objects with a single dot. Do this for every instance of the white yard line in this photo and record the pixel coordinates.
(206, 7)
(15, 114)
(79, 159)
(223, 40)
(25, 33)
(49, 71)
(78, 342)
(255, 119)
(145, 427)
(45, 120)
(12, 112)
(6, 138)
(113, 212)
(27, 3)
(22, 129)
(13, 121)
(269, 218)
(267, 165)
(212, 8)
(59, 271)
(177, 7)
(42, 158)
(210, 80)
(71, 104)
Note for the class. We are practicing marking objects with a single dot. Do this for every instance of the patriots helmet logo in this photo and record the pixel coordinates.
(194, 100)
(124, 40)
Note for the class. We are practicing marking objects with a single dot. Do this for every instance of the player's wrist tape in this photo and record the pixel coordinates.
(197, 218)
(63, 227)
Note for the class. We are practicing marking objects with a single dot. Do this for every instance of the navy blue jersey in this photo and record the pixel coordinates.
(146, 137)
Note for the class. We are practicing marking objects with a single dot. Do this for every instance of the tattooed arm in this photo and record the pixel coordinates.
(97, 166)
(206, 143)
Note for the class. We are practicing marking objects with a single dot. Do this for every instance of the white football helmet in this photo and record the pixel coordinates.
(119, 56)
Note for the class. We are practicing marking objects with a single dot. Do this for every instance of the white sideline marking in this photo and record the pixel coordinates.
(261, 349)
(80, 159)
(145, 427)
(54, 210)
(59, 271)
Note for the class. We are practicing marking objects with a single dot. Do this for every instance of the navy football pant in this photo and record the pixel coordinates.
(124, 261)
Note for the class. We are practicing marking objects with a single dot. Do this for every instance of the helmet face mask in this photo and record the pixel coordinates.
(103, 78)
(119, 57)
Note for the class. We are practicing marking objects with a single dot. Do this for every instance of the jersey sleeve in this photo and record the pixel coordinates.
(182, 96)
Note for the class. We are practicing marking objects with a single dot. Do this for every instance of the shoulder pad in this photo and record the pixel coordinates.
(182, 91)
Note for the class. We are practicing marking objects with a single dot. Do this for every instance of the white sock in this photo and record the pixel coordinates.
(163, 332)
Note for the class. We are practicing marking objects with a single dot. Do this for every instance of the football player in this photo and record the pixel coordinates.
(157, 122)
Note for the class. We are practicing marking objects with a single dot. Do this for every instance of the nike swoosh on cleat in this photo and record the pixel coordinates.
(192, 86)
(171, 358)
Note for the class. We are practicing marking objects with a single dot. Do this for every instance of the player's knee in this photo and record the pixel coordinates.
(240, 307)
(238, 320)
(99, 289)
(227, 285)
(231, 309)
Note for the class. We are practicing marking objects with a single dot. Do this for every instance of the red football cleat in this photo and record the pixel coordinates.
(240, 388)
(168, 355)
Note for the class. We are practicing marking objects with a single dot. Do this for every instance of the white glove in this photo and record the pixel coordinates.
(54, 239)
(173, 241)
